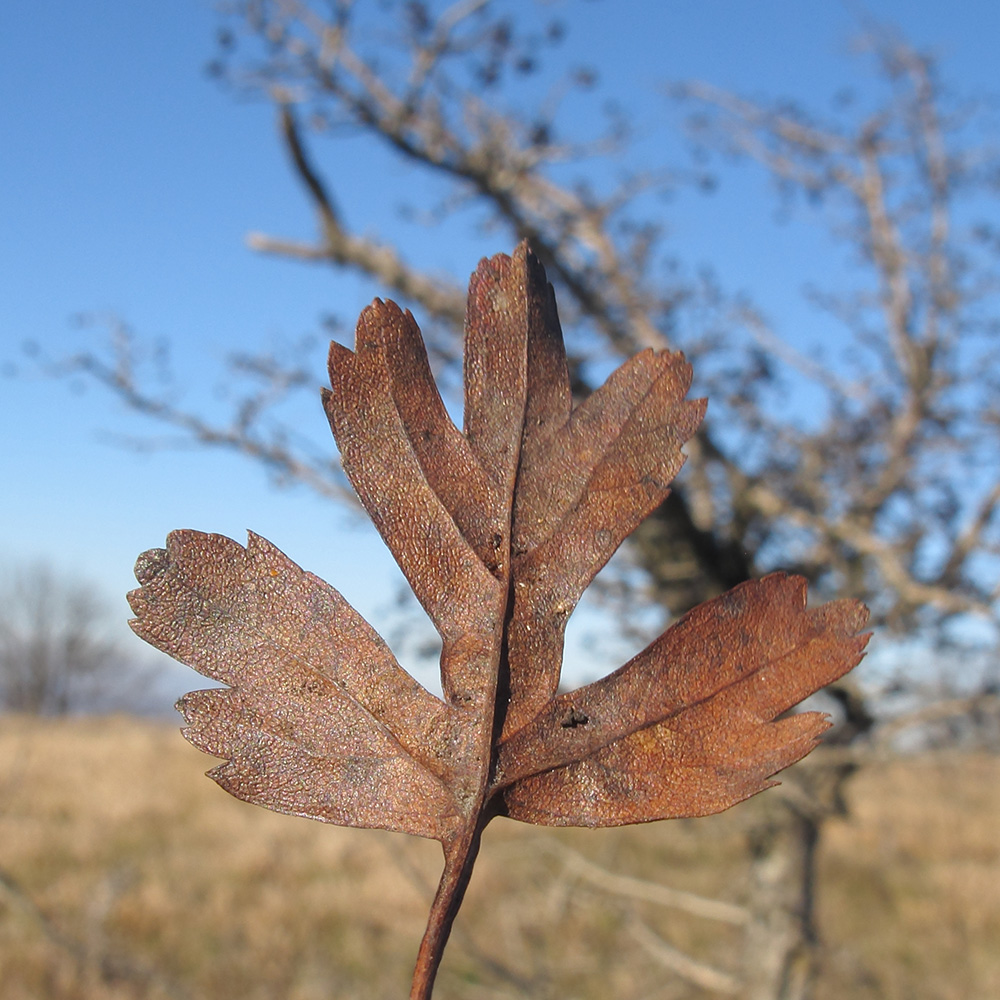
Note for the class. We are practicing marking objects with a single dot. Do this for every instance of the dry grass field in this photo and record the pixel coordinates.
(128, 875)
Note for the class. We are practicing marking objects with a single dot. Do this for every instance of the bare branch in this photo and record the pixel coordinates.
(699, 973)
(286, 461)
(649, 892)
(380, 261)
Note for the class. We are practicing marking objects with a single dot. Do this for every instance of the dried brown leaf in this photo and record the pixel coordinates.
(499, 528)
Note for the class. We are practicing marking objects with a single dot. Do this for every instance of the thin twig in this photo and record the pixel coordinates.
(650, 892)
(705, 976)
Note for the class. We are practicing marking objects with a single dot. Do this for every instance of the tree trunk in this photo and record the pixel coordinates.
(782, 946)
(780, 960)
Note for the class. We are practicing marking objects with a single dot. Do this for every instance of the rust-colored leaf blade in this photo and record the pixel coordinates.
(688, 726)
(373, 417)
(319, 719)
(442, 451)
(380, 460)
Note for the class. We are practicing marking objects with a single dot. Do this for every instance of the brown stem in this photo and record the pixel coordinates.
(459, 856)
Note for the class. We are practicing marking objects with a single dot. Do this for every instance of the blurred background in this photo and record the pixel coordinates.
(802, 198)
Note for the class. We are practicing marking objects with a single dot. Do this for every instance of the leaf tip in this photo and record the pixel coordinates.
(149, 565)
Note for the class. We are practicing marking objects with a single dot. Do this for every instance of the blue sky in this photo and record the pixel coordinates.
(130, 180)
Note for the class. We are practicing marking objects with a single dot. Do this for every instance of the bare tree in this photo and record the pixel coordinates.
(57, 653)
(888, 490)
(897, 494)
